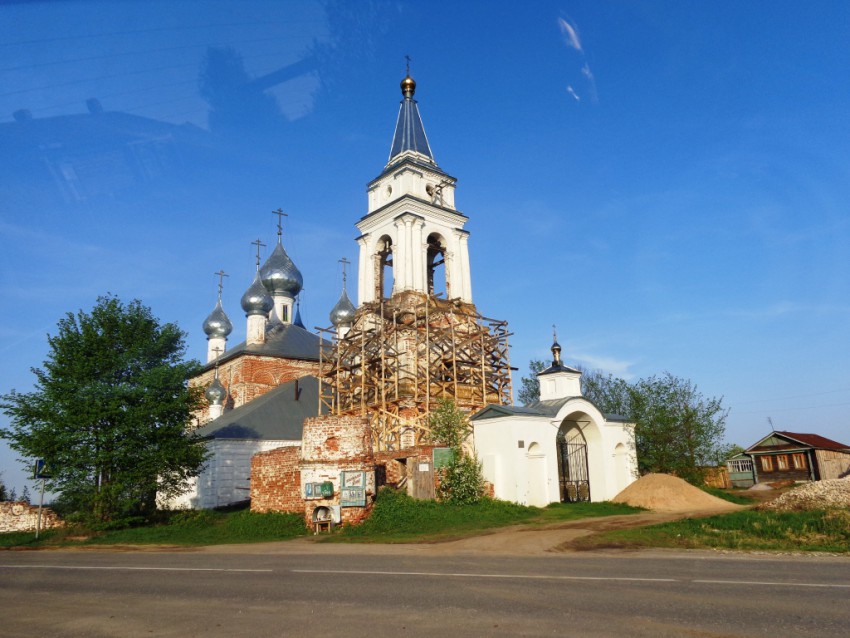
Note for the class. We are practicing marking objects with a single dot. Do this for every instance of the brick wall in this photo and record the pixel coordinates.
(337, 438)
(276, 481)
(248, 376)
(19, 516)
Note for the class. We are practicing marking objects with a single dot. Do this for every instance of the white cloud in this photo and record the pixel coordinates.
(572, 92)
(617, 367)
(570, 34)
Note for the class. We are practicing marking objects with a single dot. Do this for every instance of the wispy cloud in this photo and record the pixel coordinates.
(618, 367)
(570, 34)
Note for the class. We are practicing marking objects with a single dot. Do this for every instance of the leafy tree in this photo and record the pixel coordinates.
(13, 495)
(678, 430)
(529, 390)
(109, 411)
(461, 480)
(2, 488)
(25, 495)
(610, 394)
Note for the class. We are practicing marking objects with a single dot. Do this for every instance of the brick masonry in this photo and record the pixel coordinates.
(19, 516)
(330, 445)
(248, 376)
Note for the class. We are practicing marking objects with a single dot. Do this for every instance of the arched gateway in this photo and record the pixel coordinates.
(560, 448)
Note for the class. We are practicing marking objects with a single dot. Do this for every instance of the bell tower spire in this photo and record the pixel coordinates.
(413, 237)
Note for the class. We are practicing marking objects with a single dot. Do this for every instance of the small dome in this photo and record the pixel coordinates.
(556, 353)
(217, 324)
(343, 311)
(408, 87)
(280, 276)
(256, 300)
(216, 394)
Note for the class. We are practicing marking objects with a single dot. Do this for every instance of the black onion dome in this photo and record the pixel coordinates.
(280, 275)
(343, 311)
(217, 324)
(256, 300)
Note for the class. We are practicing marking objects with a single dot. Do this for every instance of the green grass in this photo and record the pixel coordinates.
(821, 530)
(730, 495)
(397, 518)
(193, 527)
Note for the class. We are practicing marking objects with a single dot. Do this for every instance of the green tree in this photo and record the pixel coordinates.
(109, 413)
(25, 495)
(460, 480)
(529, 390)
(2, 488)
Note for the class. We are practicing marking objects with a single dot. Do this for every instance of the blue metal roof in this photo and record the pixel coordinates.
(409, 131)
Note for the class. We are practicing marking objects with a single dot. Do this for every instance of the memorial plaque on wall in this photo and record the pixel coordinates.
(352, 489)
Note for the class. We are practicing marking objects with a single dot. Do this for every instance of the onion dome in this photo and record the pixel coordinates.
(256, 300)
(215, 393)
(408, 86)
(343, 311)
(279, 274)
(217, 324)
(556, 354)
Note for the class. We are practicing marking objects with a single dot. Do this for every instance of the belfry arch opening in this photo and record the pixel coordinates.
(384, 265)
(438, 281)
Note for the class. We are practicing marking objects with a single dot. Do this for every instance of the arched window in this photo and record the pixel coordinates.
(384, 279)
(438, 281)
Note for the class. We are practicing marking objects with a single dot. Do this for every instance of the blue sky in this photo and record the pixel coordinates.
(668, 182)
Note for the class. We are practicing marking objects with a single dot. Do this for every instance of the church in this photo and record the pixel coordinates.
(301, 421)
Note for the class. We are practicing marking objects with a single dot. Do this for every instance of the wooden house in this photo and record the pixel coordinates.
(784, 456)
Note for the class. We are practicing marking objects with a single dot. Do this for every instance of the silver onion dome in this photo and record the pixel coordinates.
(343, 311)
(217, 323)
(215, 393)
(280, 275)
(256, 300)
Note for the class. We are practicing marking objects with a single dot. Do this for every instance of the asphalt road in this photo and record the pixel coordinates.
(337, 591)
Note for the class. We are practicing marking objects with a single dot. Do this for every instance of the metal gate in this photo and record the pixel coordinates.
(572, 465)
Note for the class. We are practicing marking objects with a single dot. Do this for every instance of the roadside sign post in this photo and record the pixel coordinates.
(41, 472)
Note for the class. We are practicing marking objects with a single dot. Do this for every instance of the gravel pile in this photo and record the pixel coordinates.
(813, 496)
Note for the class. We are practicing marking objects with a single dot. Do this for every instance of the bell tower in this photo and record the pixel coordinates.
(413, 237)
(415, 338)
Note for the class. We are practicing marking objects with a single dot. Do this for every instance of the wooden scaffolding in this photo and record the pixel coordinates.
(402, 355)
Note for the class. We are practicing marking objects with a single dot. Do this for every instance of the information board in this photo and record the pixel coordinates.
(352, 491)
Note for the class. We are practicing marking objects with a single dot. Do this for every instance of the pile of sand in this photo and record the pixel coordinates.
(665, 493)
(813, 496)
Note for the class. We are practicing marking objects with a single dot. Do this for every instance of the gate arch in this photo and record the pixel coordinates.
(573, 473)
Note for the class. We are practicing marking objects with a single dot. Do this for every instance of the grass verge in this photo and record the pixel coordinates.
(731, 496)
(819, 531)
(192, 527)
(398, 518)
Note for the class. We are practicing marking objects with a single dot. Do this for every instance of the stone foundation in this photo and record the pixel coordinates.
(19, 516)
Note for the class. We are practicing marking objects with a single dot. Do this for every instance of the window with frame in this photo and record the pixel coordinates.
(799, 461)
(741, 465)
(782, 462)
(766, 464)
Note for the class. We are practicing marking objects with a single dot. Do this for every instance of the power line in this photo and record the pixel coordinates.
(795, 396)
(809, 407)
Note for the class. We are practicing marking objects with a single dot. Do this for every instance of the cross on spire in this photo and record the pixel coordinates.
(221, 275)
(554, 333)
(344, 263)
(407, 57)
(280, 215)
(218, 352)
(258, 244)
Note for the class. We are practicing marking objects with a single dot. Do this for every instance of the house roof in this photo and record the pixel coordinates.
(547, 409)
(276, 415)
(285, 341)
(796, 440)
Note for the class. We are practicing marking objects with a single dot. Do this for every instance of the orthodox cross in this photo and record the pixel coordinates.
(280, 215)
(258, 243)
(407, 57)
(221, 275)
(554, 333)
(218, 352)
(344, 263)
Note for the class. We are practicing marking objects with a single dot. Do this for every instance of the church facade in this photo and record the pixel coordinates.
(414, 338)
